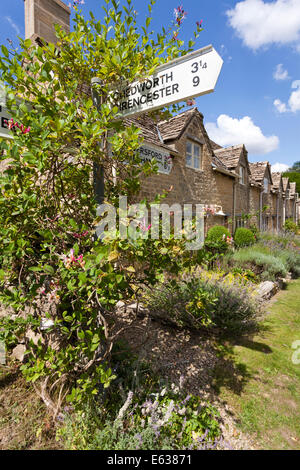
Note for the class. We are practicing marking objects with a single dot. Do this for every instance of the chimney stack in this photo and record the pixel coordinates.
(42, 15)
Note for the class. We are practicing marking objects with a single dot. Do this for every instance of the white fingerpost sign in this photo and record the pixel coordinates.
(4, 126)
(184, 78)
(163, 158)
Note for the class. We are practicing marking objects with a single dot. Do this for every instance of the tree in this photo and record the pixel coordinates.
(61, 284)
(295, 167)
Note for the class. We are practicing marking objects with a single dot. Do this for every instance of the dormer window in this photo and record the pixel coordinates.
(266, 185)
(193, 155)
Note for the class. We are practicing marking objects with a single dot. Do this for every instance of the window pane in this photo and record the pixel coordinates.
(189, 160)
(189, 147)
(196, 150)
(196, 162)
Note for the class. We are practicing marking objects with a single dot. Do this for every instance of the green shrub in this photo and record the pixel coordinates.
(290, 226)
(217, 233)
(167, 420)
(205, 303)
(254, 229)
(243, 237)
(185, 304)
(270, 265)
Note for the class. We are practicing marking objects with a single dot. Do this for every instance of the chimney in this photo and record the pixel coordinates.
(42, 15)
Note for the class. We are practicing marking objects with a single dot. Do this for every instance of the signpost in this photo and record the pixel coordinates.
(181, 79)
(184, 78)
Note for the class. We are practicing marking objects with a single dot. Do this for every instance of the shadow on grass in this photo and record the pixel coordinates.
(230, 374)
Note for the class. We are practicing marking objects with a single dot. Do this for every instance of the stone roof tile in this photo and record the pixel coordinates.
(172, 128)
(230, 156)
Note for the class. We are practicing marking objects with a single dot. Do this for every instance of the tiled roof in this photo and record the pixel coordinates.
(276, 178)
(149, 130)
(215, 146)
(292, 188)
(258, 170)
(171, 129)
(230, 156)
(218, 163)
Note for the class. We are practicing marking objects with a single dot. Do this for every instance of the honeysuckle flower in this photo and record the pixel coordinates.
(75, 3)
(143, 226)
(12, 124)
(191, 102)
(80, 235)
(72, 260)
(199, 23)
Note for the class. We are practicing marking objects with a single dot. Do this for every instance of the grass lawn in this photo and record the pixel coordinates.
(261, 384)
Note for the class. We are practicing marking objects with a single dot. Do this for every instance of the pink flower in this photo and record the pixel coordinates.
(199, 23)
(12, 124)
(180, 15)
(80, 235)
(70, 259)
(191, 102)
(143, 226)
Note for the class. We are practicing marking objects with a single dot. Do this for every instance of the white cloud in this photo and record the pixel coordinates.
(279, 167)
(230, 131)
(259, 23)
(280, 73)
(13, 25)
(281, 107)
(294, 100)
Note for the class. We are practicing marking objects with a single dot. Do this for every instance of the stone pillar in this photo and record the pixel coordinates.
(42, 15)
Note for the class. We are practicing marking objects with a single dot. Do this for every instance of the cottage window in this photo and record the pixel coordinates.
(266, 185)
(193, 155)
(242, 175)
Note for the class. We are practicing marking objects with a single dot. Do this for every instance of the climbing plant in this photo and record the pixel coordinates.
(61, 284)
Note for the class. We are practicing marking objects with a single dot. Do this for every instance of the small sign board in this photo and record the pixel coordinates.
(4, 119)
(181, 79)
(163, 158)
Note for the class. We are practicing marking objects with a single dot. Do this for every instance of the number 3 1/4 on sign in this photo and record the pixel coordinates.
(187, 77)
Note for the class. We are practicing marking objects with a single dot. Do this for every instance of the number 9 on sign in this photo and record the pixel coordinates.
(196, 81)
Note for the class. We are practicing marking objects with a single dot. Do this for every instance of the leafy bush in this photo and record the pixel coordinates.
(217, 233)
(254, 229)
(290, 226)
(270, 266)
(51, 266)
(167, 420)
(205, 302)
(183, 304)
(243, 237)
(273, 256)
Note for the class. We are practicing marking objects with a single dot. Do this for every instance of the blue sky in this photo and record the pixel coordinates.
(257, 97)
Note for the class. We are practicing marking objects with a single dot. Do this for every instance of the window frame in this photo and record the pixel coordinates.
(193, 156)
(243, 175)
(266, 185)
